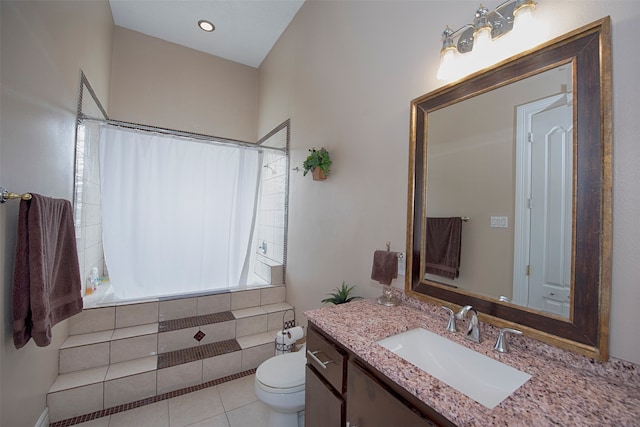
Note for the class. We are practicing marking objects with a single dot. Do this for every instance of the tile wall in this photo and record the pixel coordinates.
(88, 219)
(271, 220)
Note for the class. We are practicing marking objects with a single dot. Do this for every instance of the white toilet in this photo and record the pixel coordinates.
(280, 385)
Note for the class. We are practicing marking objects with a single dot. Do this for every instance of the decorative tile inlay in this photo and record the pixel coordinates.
(178, 357)
(190, 322)
(199, 335)
(148, 401)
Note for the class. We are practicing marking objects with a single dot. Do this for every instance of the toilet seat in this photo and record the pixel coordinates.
(282, 374)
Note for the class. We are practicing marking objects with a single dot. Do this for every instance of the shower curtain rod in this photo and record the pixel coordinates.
(179, 133)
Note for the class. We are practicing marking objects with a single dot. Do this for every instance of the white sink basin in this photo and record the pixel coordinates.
(479, 377)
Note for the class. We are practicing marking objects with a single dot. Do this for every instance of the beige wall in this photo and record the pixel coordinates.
(332, 72)
(158, 83)
(44, 46)
(345, 73)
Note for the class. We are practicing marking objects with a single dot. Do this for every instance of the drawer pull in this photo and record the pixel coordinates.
(322, 364)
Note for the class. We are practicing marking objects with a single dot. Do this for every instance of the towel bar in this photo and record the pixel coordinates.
(387, 298)
(5, 195)
(399, 255)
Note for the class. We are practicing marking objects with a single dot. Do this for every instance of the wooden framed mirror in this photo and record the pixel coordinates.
(576, 233)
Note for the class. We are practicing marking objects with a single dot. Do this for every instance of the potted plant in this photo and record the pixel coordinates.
(318, 163)
(341, 295)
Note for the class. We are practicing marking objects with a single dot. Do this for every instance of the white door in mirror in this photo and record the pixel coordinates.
(551, 219)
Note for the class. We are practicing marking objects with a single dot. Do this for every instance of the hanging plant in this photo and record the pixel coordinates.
(318, 162)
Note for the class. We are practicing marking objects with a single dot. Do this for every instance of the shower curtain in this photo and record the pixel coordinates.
(177, 215)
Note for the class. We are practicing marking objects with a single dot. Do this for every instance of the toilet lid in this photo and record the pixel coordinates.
(284, 371)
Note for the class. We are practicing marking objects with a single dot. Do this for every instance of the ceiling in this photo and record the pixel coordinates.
(245, 30)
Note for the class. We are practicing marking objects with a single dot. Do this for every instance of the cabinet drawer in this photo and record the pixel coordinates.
(326, 359)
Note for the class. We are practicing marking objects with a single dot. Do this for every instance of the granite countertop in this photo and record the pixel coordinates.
(565, 389)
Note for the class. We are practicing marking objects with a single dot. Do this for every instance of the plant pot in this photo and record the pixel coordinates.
(318, 174)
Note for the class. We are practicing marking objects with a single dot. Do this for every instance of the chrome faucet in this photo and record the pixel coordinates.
(473, 331)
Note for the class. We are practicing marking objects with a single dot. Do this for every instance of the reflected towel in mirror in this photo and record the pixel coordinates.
(443, 244)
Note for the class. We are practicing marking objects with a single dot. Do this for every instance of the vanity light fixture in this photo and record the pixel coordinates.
(472, 46)
(206, 25)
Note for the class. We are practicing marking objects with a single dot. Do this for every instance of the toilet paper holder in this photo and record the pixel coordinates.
(286, 324)
(283, 343)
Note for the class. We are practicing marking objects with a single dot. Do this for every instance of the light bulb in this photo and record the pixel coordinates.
(524, 20)
(482, 40)
(447, 61)
(527, 31)
(206, 25)
(483, 53)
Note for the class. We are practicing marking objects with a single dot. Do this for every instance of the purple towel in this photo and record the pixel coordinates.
(47, 284)
(385, 266)
(442, 255)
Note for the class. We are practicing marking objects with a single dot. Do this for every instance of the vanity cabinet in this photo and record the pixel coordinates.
(325, 382)
(323, 406)
(372, 405)
(343, 391)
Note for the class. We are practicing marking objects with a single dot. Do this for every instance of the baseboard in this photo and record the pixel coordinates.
(43, 421)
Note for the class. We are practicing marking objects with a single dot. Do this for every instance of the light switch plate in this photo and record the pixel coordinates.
(499, 222)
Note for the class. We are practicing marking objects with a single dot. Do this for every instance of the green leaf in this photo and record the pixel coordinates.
(341, 295)
(317, 159)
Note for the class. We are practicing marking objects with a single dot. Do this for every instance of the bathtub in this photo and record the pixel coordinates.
(104, 295)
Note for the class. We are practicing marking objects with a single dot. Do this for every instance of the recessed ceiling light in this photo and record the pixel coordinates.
(206, 25)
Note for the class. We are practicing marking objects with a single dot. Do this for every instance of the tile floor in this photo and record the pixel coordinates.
(231, 404)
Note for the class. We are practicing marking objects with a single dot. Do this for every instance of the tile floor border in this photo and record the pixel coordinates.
(148, 401)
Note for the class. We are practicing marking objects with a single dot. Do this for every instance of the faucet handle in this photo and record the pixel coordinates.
(502, 344)
(451, 326)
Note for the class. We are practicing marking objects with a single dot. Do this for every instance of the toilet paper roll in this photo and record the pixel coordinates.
(295, 333)
(282, 337)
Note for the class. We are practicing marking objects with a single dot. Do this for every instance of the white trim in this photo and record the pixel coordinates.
(43, 421)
